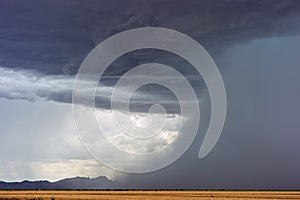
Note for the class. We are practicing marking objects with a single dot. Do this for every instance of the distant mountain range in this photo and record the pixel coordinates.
(100, 182)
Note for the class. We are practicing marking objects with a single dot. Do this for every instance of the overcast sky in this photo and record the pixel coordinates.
(255, 45)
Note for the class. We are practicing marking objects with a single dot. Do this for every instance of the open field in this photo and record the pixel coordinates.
(145, 195)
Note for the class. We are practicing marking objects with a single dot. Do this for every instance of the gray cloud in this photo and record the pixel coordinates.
(55, 36)
(33, 86)
(260, 142)
(39, 141)
(259, 145)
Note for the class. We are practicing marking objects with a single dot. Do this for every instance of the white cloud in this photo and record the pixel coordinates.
(36, 133)
(38, 141)
(53, 170)
(144, 139)
(29, 85)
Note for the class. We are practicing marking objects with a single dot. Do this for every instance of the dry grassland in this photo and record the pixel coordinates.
(145, 195)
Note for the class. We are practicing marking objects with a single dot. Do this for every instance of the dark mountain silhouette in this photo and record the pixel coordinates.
(100, 182)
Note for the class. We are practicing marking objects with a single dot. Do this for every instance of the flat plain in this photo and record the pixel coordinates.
(147, 195)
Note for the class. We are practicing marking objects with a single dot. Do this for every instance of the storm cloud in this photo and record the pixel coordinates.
(55, 36)
(255, 45)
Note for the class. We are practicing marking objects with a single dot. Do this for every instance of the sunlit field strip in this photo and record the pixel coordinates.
(143, 195)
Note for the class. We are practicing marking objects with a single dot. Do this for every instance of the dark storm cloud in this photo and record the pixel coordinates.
(259, 145)
(40, 35)
(55, 36)
(260, 142)
(212, 23)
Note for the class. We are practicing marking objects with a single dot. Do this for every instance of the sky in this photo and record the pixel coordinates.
(255, 45)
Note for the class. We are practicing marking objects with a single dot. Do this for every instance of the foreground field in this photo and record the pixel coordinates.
(145, 195)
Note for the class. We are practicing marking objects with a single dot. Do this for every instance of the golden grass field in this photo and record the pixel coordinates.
(145, 195)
